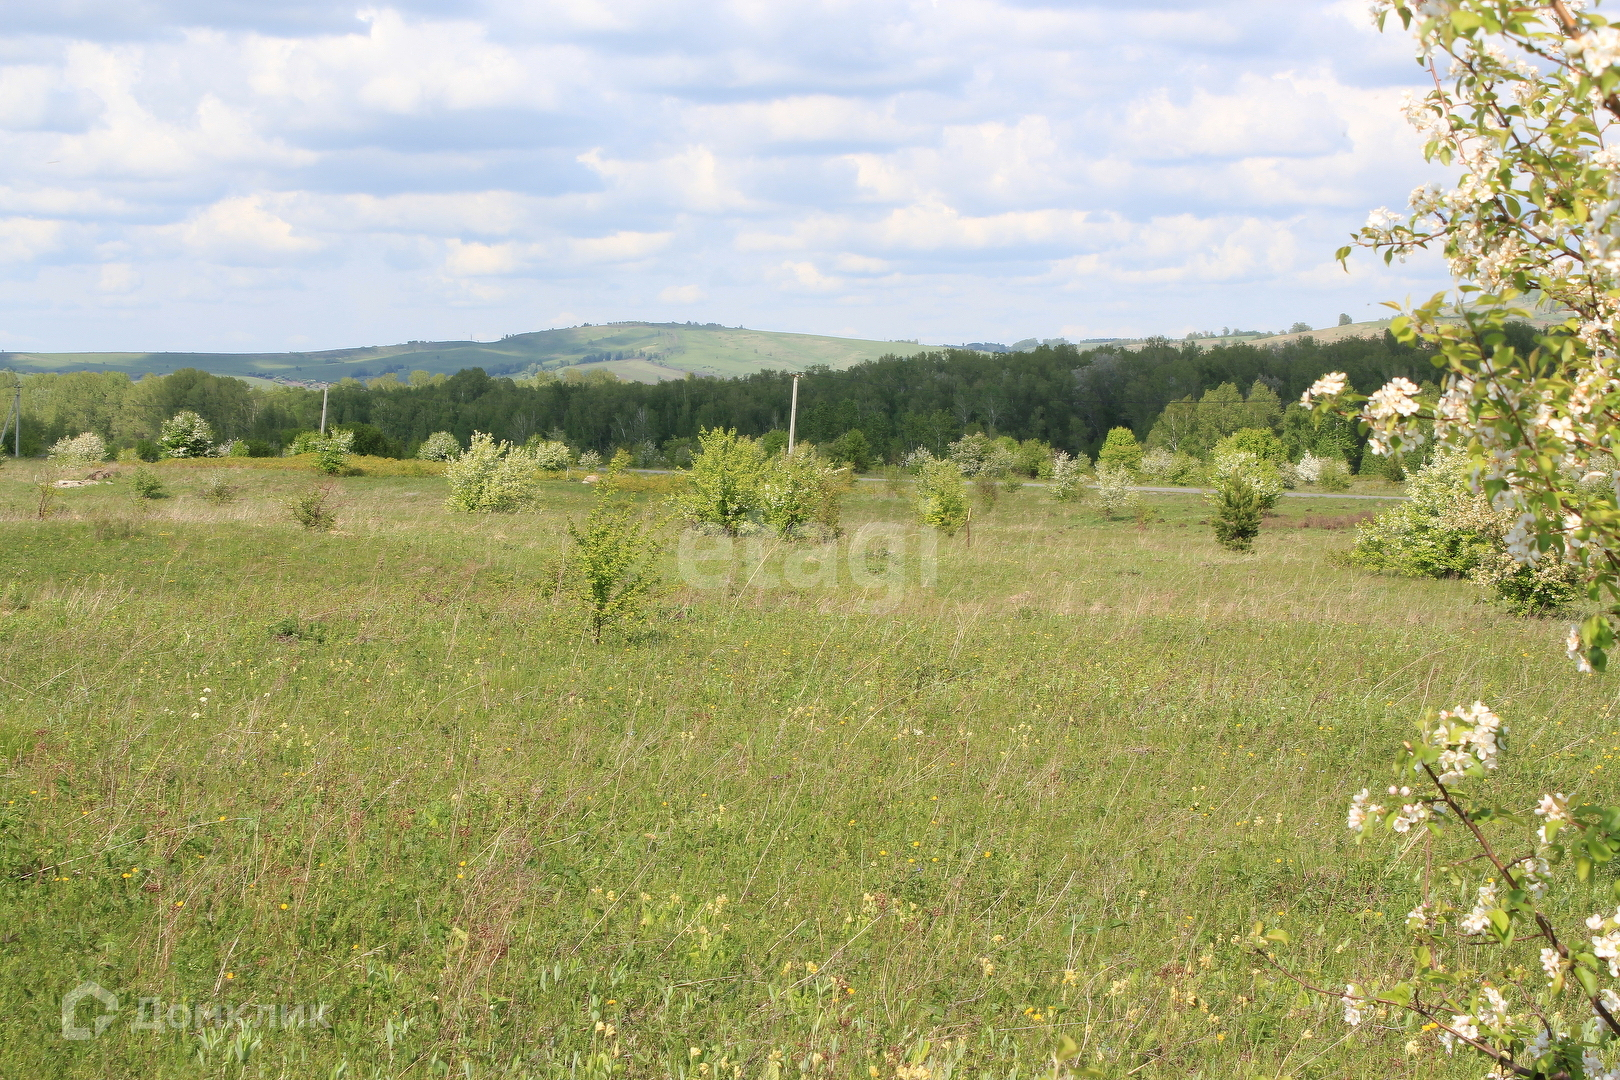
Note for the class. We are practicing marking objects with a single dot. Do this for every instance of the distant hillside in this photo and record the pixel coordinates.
(642, 352)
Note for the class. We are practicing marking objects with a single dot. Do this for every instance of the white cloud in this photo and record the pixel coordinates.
(241, 230)
(682, 294)
(957, 170)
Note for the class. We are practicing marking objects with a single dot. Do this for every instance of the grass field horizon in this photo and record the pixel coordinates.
(921, 815)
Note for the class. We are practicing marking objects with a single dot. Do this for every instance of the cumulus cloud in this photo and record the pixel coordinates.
(961, 170)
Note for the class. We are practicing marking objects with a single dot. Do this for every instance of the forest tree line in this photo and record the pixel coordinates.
(1168, 393)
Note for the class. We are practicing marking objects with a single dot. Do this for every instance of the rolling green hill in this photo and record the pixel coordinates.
(643, 352)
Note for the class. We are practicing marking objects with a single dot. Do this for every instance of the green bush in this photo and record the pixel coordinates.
(613, 561)
(1443, 529)
(1263, 476)
(332, 451)
(145, 485)
(490, 477)
(941, 496)
(852, 449)
(314, 508)
(1120, 450)
(147, 450)
(218, 491)
(801, 495)
(1262, 444)
(723, 486)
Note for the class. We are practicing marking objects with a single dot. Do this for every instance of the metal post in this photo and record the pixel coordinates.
(793, 414)
(324, 391)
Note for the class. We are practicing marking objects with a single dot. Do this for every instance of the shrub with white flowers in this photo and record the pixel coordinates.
(491, 477)
(549, 454)
(440, 446)
(1113, 492)
(1068, 475)
(80, 451)
(186, 435)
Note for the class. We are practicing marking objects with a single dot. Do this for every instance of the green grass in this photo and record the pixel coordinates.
(663, 352)
(1046, 796)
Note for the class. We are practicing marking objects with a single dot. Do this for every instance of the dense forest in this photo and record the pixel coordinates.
(1057, 393)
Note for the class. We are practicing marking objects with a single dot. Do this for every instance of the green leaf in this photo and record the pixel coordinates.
(1588, 980)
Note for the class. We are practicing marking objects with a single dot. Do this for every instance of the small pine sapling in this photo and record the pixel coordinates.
(1238, 508)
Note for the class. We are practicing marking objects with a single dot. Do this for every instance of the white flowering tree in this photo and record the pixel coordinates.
(186, 435)
(1526, 96)
(1495, 972)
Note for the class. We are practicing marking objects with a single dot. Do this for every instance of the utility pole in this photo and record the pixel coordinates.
(325, 390)
(793, 413)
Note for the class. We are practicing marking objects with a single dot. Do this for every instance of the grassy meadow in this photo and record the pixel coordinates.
(790, 827)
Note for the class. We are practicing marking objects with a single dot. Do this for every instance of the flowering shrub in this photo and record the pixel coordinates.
(1444, 528)
(440, 446)
(1068, 474)
(332, 451)
(800, 494)
(1164, 467)
(549, 455)
(1328, 472)
(979, 455)
(489, 478)
(1447, 529)
(1530, 90)
(916, 459)
(1113, 490)
(80, 451)
(186, 435)
(590, 459)
(1493, 971)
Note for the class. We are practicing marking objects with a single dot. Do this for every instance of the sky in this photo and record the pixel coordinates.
(243, 175)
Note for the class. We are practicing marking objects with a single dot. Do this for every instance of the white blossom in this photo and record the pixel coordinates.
(1330, 385)
(1354, 1005)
